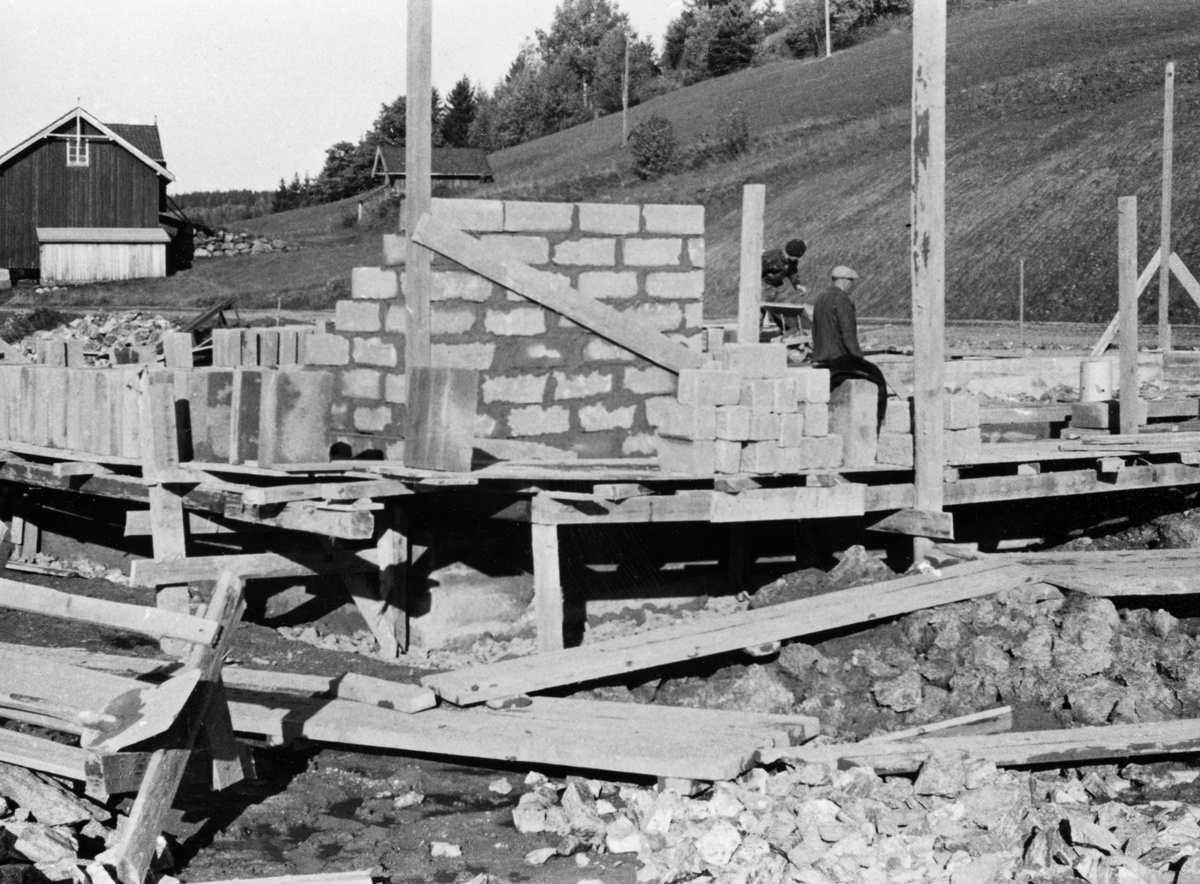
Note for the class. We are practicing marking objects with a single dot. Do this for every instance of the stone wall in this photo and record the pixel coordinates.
(543, 378)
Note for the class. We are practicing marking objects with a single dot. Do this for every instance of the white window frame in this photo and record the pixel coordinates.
(78, 153)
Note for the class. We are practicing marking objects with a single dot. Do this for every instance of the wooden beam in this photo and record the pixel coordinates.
(1189, 283)
(1114, 324)
(133, 618)
(137, 524)
(779, 504)
(916, 523)
(754, 199)
(37, 753)
(555, 292)
(251, 566)
(989, 721)
(418, 159)
(1118, 573)
(734, 632)
(547, 587)
(928, 252)
(1127, 279)
(354, 490)
(1165, 246)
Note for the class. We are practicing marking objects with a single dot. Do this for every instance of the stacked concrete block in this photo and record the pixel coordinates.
(753, 415)
(268, 346)
(960, 420)
(543, 378)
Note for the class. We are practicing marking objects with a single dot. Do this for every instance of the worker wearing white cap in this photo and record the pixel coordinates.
(835, 337)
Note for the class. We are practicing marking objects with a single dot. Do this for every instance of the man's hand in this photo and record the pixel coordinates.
(801, 289)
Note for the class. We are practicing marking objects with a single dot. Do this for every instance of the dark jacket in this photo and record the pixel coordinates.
(835, 328)
(778, 266)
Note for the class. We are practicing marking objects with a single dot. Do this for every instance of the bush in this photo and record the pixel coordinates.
(728, 140)
(652, 146)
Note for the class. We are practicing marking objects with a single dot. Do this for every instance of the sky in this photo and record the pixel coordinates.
(248, 92)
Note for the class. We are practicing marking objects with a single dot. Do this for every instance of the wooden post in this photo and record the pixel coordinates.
(754, 199)
(1127, 281)
(547, 588)
(418, 158)
(1021, 303)
(625, 96)
(928, 253)
(393, 554)
(828, 37)
(1164, 270)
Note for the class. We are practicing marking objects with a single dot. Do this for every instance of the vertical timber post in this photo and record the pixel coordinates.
(1164, 270)
(547, 587)
(1127, 276)
(418, 158)
(625, 96)
(754, 199)
(928, 253)
(1021, 303)
(828, 38)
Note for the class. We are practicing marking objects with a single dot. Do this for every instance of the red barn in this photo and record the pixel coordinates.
(80, 200)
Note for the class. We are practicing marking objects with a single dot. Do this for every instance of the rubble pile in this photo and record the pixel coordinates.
(104, 335)
(961, 821)
(227, 244)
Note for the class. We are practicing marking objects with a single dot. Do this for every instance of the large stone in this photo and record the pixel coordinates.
(852, 415)
(1084, 645)
(943, 773)
(900, 694)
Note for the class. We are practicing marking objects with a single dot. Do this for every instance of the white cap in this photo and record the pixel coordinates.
(843, 272)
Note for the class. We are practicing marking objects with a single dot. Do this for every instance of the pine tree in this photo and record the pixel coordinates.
(461, 106)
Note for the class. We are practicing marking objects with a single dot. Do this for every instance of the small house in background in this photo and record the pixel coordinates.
(454, 168)
(80, 202)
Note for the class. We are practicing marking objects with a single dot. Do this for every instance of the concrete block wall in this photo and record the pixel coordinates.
(543, 378)
(960, 419)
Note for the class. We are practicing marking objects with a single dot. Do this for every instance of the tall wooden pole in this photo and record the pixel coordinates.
(928, 253)
(1127, 278)
(1164, 270)
(754, 200)
(418, 159)
(625, 96)
(1021, 302)
(828, 38)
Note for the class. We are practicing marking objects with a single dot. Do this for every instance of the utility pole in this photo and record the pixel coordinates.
(828, 38)
(625, 96)
(1165, 246)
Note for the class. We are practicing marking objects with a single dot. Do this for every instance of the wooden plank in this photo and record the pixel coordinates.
(353, 490)
(1127, 279)
(773, 504)
(916, 523)
(1165, 247)
(382, 618)
(1118, 573)
(41, 754)
(1018, 749)
(928, 253)
(547, 587)
(440, 418)
(137, 524)
(555, 292)
(397, 696)
(991, 721)
(617, 491)
(547, 510)
(133, 618)
(754, 200)
(157, 709)
(393, 553)
(1185, 277)
(361, 877)
(788, 620)
(418, 157)
(251, 566)
(1114, 324)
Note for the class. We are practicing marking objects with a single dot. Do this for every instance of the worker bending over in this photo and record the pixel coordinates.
(835, 338)
(780, 266)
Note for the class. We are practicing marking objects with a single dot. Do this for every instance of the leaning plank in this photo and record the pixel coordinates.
(555, 292)
(363, 877)
(251, 566)
(1118, 741)
(990, 721)
(60, 688)
(1113, 573)
(1144, 280)
(41, 754)
(685, 642)
(153, 622)
(917, 523)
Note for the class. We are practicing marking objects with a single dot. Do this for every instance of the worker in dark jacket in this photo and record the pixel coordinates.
(835, 337)
(780, 266)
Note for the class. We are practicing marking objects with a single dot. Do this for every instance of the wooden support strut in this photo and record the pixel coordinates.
(1165, 248)
(1127, 279)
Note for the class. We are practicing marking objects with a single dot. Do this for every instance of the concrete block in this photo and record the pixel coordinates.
(362, 383)
(786, 401)
(658, 252)
(599, 350)
(394, 250)
(592, 251)
(686, 285)
(852, 415)
(374, 283)
(791, 430)
(960, 411)
(326, 350)
(459, 285)
(177, 351)
(709, 387)
(518, 321)
(821, 453)
(609, 218)
(693, 318)
(1102, 415)
(899, 416)
(639, 445)
(663, 317)
(963, 446)
(478, 355)
(733, 423)
(695, 251)
(759, 457)
(52, 353)
(596, 417)
(268, 347)
(812, 384)
(289, 346)
(534, 420)
(250, 347)
(226, 347)
(373, 419)
(789, 461)
(395, 388)
(581, 386)
(526, 388)
(6, 280)
(689, 458)
(682, 220)
(755, 360)
(246, 413)
(520, 216)
(56, 404)
(358, 316)
(294, 417)
(478, 216)
(764, 427)
(694, 422)
(816, 418)
(727, 456)
(895, 448)
(657, 409)
(649, 381)
(609, 284)
(376, 351)
(526, 249)
(758, 396)
(451, 321)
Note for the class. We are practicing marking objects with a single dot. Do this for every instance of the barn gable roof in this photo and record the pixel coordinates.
(143, 144)
(447, 162)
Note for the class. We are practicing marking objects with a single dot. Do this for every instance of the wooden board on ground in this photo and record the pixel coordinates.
(631, 653)
(1113, 573)
(439, 429)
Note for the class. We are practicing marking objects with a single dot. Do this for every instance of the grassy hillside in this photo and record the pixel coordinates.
(1054, 111)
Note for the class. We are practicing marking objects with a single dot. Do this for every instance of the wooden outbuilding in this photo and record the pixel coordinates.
(80, 202)
(454, 168)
